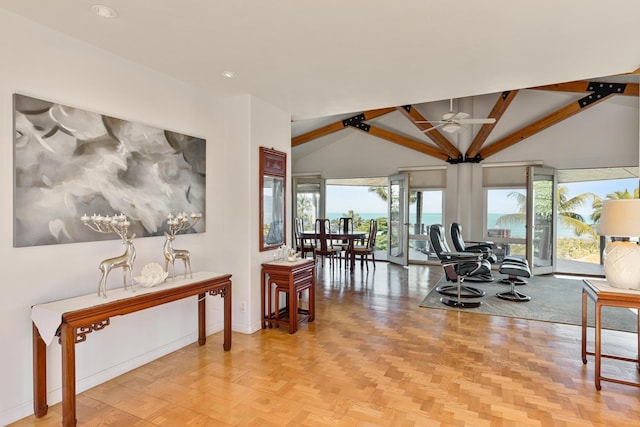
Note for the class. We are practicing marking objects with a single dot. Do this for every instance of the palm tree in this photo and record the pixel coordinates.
(380, 192)
(616, 195)
(571, 219)
(566, 211)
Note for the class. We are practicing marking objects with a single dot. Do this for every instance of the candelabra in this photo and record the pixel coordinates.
(118, 224)
(176, 224)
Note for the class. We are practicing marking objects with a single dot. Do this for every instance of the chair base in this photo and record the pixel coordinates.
(517, 282)
(465, 291)
(513, 295)
(479, 278)
(460, 304)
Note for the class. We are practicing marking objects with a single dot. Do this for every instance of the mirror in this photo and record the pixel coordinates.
(273, 171)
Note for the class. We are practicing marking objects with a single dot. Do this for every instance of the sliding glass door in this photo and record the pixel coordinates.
(541, 213)
(398, 244)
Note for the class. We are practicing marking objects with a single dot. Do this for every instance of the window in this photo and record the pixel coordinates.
(506, 220)
(425, 209)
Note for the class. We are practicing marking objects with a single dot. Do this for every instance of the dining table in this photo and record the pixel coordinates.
(350, 236)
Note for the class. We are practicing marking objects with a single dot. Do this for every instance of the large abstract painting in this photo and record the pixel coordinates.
(69, 162)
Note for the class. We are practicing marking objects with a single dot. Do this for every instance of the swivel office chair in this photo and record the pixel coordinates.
(484, 247)
(458, 266)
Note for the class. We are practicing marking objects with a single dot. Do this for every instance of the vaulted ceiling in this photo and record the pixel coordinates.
(436, 144)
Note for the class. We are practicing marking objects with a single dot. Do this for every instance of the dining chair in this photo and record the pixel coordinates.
(368, 248)
(323, 245)
(304, 246)
(345, 225)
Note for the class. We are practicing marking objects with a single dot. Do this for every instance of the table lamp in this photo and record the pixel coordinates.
(621, 218)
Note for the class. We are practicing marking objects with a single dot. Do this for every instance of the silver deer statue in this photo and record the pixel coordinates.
(124, 261)
(176, 224)
(171, 255)
(118, 224)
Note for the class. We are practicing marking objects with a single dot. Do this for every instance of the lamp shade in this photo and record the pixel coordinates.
(620, 218)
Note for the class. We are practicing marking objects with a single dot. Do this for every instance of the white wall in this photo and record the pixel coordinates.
(50, 66)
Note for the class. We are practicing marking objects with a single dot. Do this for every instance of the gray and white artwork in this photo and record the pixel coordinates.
(69, 162)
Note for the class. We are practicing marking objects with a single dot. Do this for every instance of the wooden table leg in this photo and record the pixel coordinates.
(638, 347)
(262, 301)
(293, 306)
(227, 318)
(598, 345)
(202, 319)
(68, 341)
(352, 254)
(40, 406)
(584, 327)
(312, 297)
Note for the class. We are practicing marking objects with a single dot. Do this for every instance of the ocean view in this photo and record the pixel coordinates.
(436, 218)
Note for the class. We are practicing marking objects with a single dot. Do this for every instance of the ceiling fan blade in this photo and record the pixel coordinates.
(448, 116)
(434, 127)
(460, 115)
(476, 121)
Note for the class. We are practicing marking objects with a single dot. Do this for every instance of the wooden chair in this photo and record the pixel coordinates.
(304, 246)
(345, 225)
(368, 248)
(323, 242)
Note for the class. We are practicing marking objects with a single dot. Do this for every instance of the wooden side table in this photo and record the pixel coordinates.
(604, 295)
(295, 277)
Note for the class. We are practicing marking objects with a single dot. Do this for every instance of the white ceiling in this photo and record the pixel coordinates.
(321, 58)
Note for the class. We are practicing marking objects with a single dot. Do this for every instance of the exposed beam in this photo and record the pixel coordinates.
(440, 140)
(334, 127)
(582, 86)
(501, 105)
(544, 123)
(403, 141)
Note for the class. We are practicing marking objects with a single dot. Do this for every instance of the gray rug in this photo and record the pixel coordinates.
(552, 300)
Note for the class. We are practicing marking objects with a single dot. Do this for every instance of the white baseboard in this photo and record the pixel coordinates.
(55, 396)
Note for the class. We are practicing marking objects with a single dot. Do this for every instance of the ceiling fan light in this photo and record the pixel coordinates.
(451, 127)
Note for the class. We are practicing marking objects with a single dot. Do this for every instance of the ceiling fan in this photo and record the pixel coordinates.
(452, 122)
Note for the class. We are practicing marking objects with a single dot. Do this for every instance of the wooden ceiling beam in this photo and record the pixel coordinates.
(583, 86)
(339, 125)
(403, 141)
(434, 135)
(501, 105)
(557, 116)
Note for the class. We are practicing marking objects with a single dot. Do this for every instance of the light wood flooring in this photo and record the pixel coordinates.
(373, 357)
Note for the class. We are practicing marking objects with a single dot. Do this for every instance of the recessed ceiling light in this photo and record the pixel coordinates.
(104, 11)
(228, 74)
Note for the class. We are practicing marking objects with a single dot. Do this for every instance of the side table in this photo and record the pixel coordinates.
(604, 295)
(293, 277)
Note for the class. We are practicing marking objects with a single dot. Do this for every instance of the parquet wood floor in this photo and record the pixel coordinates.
(373, 357)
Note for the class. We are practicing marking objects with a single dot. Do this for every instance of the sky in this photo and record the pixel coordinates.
(341, 199)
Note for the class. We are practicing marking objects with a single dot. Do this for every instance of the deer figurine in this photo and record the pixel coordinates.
(176, 224)
(170, 256)
(124, 261)
(118, 224)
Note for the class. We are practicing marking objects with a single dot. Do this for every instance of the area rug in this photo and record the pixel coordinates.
(552, 300)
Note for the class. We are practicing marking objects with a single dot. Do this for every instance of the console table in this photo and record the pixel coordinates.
(293, 278)
(72, 319)
(604, 295)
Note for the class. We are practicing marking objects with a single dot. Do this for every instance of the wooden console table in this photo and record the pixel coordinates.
(296, 276)
(72, 319)
(604, 295)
